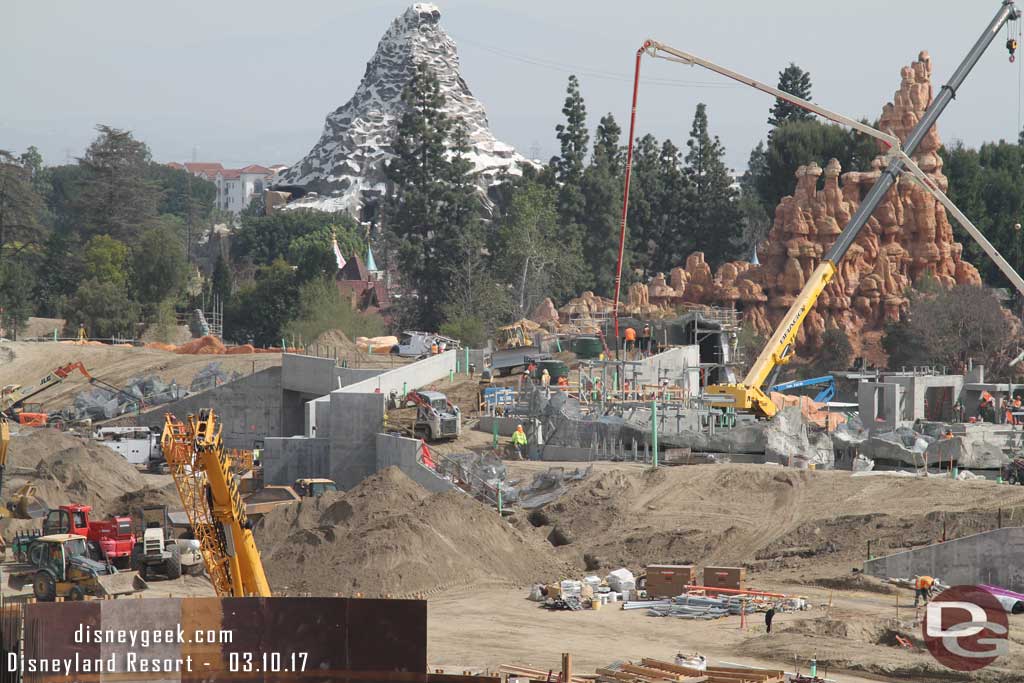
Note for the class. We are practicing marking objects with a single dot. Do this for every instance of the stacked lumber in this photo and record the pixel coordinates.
(656, 671)
(537, 674)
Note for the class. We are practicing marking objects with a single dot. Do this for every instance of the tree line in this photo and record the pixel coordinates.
(113, 240)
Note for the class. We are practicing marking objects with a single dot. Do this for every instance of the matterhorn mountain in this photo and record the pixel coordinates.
(345, 169)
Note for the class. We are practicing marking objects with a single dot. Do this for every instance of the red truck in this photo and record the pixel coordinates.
(109, 540)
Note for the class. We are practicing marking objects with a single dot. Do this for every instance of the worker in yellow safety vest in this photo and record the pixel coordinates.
(519, 441)
(922, 588)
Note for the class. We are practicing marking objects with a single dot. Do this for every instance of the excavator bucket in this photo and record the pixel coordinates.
(25, 504)
(121, 583)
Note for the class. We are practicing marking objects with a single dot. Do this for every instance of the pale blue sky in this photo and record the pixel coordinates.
(251, 82)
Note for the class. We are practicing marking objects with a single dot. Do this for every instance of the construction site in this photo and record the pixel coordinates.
(612, 490)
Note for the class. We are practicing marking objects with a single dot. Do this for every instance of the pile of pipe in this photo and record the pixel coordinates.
(694, 607)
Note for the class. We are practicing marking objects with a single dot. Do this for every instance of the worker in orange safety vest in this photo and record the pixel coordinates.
(922, 588)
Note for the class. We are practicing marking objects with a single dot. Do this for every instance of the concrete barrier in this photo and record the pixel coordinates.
(991, 557)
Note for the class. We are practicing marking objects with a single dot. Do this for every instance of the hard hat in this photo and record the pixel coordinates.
(519, 426)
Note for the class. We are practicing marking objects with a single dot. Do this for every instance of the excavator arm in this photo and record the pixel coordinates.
(749, 394)
(202, 471)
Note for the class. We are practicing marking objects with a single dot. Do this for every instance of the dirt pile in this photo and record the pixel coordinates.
(73, 469)
(334, 340)
(389, 536)
(809, 523)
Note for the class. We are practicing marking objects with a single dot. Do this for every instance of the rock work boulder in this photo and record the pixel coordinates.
(908, 236)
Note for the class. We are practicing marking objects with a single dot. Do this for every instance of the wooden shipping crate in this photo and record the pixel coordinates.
(669, 580)
(725, 577)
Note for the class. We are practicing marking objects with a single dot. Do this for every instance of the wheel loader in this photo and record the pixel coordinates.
(59, 566)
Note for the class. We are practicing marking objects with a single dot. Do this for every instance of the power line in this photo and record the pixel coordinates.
(587, 71)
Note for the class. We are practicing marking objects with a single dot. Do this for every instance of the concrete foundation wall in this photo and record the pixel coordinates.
(355, 420)
(319, 376)
(287, 459)
(250, 408)
(506, 425)
(681, 365)
(993, 557)
(403, 453)
(412, 376)
(344, 422)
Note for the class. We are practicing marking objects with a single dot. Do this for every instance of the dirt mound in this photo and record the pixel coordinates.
(767, 518)
(389, 536)
(73, 469)
(133, 502)
(332, 340)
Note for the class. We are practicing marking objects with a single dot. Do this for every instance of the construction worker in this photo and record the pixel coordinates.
(519, 441)
(630, 340)
(81, 332)
(922, 589)
(433, 349)
(545, 378)
(948, 434)
(563, 383)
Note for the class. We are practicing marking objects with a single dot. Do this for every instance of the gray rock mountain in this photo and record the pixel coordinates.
(345, 169)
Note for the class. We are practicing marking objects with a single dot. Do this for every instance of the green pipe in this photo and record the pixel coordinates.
(654, 430)
(499, 497)
(465, 367)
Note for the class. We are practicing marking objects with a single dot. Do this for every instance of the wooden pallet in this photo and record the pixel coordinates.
(716, 674)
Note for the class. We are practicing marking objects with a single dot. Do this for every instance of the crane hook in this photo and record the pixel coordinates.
(1011, 47)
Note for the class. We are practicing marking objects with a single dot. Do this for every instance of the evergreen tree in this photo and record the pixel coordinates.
(794, 81)
(796, 143)
(116, 195)
(718, 222)
(569, 167)
(675, 226)
(602, 194)
(432, 212)
(20, 206)
(221, 281)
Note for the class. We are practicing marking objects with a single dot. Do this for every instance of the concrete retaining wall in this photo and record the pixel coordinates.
(403, 453)
(250, 408)
(287, 459)
(992, 557)
(506, 425)
(348, 419)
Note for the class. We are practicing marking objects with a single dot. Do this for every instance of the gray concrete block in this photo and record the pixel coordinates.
(249, 408)
(287, 459)
(992, 557)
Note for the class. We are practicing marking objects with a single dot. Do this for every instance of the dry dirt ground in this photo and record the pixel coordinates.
(27, 362)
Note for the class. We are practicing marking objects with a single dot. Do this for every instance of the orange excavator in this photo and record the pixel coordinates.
(14, 396)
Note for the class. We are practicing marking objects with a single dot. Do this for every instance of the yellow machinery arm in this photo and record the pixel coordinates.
(778, 350)
(749, 395)
(201, 467)
(5, 441)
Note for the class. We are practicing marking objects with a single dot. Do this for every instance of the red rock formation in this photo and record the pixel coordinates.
(908, 235)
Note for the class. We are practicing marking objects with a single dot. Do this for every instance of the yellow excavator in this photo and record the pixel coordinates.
(202, 471)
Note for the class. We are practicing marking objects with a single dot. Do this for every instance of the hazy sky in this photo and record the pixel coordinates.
(251, 82)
